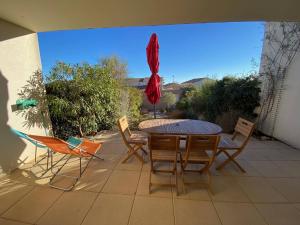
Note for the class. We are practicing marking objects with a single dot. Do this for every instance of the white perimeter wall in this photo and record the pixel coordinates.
(287, 126)
(19, 58)
(287, 123)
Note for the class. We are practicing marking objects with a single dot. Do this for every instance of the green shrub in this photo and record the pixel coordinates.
(167, 101)
(82, 99)
(213, 99)
(134, 106)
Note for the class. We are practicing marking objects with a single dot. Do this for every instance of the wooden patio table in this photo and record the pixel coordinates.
(179, 127)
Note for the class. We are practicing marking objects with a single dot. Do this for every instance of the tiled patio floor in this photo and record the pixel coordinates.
(112, 193)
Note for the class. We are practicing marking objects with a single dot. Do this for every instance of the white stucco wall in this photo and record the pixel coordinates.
(287, 122)
(287, 126)
(19, 58)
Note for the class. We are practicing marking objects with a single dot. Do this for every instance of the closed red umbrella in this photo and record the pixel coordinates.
(153, 87)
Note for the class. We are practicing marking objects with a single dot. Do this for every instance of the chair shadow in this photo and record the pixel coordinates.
(11, 147)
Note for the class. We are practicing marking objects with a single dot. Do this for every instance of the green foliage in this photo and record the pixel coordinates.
(168, 100)
(216, 98)
(134, 106)
(115, 66)
(37, 115)
(82, 99)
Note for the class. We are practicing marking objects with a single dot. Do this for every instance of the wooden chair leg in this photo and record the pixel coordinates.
(231, 158)
(219, 152)
(131, 153)
(238, 165)
(150, 181)
(209, 182)
(176, 180)
(182, 173)
(145, 152)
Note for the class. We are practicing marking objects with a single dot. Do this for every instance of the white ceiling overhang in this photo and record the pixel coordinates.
(49, 15)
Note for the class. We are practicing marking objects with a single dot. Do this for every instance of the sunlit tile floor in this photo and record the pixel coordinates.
(112, 193)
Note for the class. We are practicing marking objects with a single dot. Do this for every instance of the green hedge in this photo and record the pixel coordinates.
(82, 99)
(213, 99)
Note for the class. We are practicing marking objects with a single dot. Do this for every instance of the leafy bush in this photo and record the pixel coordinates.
(168, 100)
(134, 106)
(213, 99)
(82, 99)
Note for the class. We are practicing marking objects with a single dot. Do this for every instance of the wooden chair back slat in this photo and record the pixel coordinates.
(198, 143)
(244, 127)
(163, 142)
(133, 147)
(124, 129)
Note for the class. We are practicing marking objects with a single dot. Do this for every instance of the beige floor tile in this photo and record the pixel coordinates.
(279, 214)
(195, 188)
(156, 190)
(93, 180)
(131, 164)
(189, 212)
(253, 154)
(276, 145)
(110, 209)
(110, 161)
(288, 187)
(292, 168)
(11, 222)
(227, 189)
(122, 182)
(238, 214)
(268, 169)
(152, 211)
(33, 205)
(297, 205)
(259, 190)
(158, 165)
(11, 192)
(232, 170)
(113, 147)
(70, 209)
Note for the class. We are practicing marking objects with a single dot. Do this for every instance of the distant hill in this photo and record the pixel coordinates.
(196, 81)
(193, 82)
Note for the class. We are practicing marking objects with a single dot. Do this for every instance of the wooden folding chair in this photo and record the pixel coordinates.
(201, 149)
(132, 142)
(163, 148)
(243, 128)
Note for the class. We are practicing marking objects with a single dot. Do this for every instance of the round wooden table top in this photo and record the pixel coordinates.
(179, 127)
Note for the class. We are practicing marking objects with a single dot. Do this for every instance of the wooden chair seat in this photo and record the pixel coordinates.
(197, 156)
(228, 143)
(134, 142)
(137, 139)
(196, 152)
(163, 155)
(163, 149)
(244, 129)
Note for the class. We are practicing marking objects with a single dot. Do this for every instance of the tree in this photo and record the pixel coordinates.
(38, 115)
(134, 105)
(168, 100)
(82, 99)
(213, 99)
(115, 66)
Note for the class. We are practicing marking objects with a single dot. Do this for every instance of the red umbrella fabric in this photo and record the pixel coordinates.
(153, 87)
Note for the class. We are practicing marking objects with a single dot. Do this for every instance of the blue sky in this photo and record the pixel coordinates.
(186, 51)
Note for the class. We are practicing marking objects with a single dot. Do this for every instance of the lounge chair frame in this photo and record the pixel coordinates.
(82, 154)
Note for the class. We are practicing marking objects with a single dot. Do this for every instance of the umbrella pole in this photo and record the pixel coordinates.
(154, 111)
